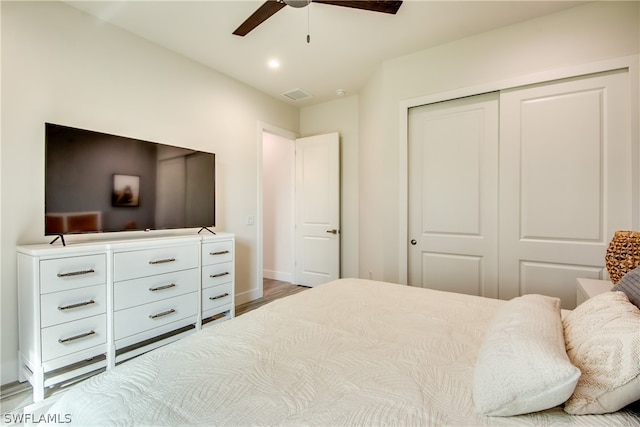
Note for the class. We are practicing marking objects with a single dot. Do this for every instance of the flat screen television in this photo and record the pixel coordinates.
(97, 182)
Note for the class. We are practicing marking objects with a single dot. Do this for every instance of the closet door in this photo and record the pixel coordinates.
(453, 196)
(565, 182)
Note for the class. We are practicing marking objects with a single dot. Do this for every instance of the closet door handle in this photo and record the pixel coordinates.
(76, 273)
(162, 261)
(77, 337)
(80, 304)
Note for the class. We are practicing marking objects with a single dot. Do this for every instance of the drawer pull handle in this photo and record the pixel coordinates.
(218, 253)
(77, 337)
(162, 261)
(213, 276)
(77, 305)
(164, 313)
(219, 296)
(161, 288)
(76, 273)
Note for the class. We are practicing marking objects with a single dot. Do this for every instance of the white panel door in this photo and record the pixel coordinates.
(565, 182)
(453, 196)
(317, 209)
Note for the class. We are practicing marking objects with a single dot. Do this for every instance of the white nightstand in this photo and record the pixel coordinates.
(587, 288)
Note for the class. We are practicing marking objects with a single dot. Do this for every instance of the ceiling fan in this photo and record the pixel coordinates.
(270, 7)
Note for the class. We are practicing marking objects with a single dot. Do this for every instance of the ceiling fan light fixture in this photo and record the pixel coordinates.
(297, 3)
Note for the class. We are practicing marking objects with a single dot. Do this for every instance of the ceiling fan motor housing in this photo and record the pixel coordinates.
(297, 3)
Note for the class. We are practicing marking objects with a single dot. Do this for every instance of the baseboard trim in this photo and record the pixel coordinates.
(278, 275)
(247, 296)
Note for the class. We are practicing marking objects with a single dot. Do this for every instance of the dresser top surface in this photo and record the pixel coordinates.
(99, 245)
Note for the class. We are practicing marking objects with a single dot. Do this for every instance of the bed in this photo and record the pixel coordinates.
(349, 352)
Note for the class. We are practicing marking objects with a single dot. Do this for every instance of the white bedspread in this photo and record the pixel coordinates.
(350, 352)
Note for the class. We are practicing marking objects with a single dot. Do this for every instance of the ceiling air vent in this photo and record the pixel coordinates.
(296, 94)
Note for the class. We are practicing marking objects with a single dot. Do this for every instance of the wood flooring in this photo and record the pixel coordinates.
(271, 290)
(15, 396)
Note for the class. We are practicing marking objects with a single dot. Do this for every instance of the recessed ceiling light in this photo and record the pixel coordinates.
(273, 64)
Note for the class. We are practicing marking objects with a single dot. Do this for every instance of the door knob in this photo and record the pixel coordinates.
(334, 231)
(413, 242)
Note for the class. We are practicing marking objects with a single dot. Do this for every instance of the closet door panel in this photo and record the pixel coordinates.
(565, 182)
(453, 190)
(550, 278)
(453, 273)
(562, 158)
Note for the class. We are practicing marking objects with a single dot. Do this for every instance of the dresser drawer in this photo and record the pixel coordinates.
(61, 274)
(67, 338)
(217, 252)
(217, 296)
(142, 318)
(147, 262)
(217, 274)
(74, 304)
(130, 293)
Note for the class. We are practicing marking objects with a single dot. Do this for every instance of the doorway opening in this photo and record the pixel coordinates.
(298, 183)
(278, 207)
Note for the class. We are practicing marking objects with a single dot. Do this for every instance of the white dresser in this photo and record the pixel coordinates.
(217, 281)
(87, 306)
(63, 308)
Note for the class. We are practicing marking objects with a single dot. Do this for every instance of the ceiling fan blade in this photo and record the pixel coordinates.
(384, 6)
(264, 12)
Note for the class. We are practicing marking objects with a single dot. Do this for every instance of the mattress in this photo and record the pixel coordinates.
(349, 352)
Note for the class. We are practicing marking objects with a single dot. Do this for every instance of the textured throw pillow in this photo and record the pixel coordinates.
(523, 366)
(603, 340)
(630, 285)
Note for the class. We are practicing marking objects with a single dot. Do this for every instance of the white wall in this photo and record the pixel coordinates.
(581, 35)
(341, 116)
(60, 65)
(278, 185)
(373, 171)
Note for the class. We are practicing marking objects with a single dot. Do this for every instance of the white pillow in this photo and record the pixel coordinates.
(603, 340)
(523, 366)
